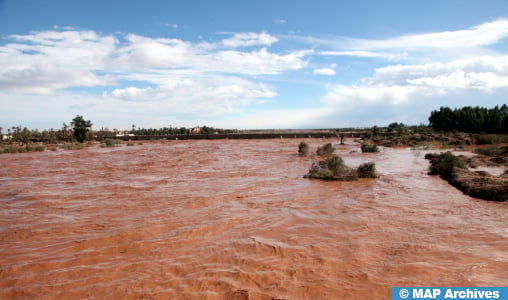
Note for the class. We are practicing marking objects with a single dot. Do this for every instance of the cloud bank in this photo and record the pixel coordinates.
(238, 80)
(178, 76)
(422, 73)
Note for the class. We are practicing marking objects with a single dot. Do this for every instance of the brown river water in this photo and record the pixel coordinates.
(234, 219)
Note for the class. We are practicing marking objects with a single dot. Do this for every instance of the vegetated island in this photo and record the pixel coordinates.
(332, 166)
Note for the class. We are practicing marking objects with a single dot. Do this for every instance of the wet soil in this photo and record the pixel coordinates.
(481, 184)
(234, 219)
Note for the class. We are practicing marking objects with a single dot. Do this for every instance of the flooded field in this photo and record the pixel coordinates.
(234, 219)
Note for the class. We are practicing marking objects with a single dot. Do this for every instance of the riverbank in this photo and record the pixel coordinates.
(481, 184)
(461, 172)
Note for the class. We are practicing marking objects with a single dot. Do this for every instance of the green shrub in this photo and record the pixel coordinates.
(325, 150)
(320, 173)
(367, 170)
(367, 147)
(332, 168)
(443, 164)
(303, 148)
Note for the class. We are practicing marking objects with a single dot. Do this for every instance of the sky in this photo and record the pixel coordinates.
(248, 64)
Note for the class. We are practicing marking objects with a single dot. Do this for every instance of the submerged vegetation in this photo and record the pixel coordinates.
(368, 147)
(367, 170)
(110, 143)
(325, 150)
(333, 168)
(303, 148)
(73, 146)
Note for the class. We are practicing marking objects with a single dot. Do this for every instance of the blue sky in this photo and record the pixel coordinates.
(248, 64)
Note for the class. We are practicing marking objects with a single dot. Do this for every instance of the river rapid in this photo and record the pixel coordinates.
(234, 219)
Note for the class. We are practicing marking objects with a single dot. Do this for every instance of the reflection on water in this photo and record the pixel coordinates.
(235, 219)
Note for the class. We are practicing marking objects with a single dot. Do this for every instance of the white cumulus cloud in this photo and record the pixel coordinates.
(195, 95)
(45, 61)
(480, 73)
(147, 53)
(154, 52)
(145, 76)
(409, 92)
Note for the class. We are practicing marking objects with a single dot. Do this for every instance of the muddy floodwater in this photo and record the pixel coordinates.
(234, 219)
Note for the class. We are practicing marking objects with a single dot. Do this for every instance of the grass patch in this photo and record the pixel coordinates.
(492, 151)
(487, 139)
(18, 148)
(72, 146)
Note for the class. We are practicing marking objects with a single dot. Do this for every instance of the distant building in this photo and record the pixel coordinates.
(120, 134)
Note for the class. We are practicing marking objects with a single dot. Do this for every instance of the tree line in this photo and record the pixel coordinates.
(471, 119)
(80, 130)
(177, 130)
(466, 119)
